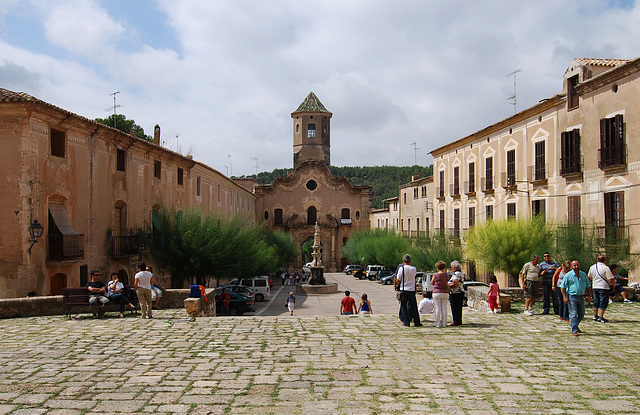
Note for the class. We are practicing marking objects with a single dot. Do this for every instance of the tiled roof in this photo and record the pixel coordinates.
(602, 62)
(311, 104)
(10, 96)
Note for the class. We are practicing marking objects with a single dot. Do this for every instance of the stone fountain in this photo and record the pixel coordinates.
(317, 283)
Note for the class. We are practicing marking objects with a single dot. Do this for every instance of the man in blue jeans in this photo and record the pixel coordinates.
(574, 286)
(548, 267)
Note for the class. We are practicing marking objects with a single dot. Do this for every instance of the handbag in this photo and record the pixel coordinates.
(400, 294)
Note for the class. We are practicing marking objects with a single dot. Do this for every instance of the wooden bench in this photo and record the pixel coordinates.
(79, 297)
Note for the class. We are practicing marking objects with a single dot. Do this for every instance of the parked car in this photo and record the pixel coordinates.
(259, 285)
(426, 281)
(350, 268)
(381, 274)
(360, 274)
(238, 305)
(387, 280)
(372, 271)
(240, 289)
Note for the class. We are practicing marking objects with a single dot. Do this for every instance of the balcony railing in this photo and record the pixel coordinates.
(612, 156)
(508, 180)
(470, 187)
(537, 173)
(611, 235)
(487, 184)
(440, 192)
(454, 188)
(571, 164)
(345, 221)
(65, 247)
(126, 245)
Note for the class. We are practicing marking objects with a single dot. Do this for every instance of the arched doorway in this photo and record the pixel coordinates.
(57, 283)
(307, 249)
(123, 277)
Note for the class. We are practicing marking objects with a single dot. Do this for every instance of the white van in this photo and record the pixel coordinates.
(259, 285)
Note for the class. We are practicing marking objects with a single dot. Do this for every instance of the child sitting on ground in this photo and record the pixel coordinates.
(426, 305)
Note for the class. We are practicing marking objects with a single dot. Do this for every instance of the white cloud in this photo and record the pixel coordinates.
(391, 72)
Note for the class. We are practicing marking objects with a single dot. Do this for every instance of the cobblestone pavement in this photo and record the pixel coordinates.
(322, 364)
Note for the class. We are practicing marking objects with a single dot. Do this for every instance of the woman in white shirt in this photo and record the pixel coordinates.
(115, 292)
(143, 282)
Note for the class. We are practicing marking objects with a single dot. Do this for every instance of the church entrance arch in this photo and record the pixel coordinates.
(307, 249)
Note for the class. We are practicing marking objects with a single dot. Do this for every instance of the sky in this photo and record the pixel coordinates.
(222, 78)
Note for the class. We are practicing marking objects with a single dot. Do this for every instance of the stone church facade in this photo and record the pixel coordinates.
(310, 193)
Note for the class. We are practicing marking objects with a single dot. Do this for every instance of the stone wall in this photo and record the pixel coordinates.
(53, 305)
(477, 299)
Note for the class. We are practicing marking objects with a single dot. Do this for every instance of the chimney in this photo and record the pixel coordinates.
(415, 177)
(156, 135)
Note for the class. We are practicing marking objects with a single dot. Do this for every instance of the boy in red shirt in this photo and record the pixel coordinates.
(348, 305)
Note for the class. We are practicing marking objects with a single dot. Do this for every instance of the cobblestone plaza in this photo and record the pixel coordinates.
(323, 363)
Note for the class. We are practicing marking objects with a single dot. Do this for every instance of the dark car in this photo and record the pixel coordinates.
(381, 274)
(360, 274)
(238, 305)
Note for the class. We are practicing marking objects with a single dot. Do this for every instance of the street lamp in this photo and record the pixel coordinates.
(35, 230)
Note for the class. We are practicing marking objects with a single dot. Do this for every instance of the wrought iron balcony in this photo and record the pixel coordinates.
(126, 245)
(65, 247)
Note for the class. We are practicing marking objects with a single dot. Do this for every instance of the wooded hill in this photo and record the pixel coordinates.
(385, 180)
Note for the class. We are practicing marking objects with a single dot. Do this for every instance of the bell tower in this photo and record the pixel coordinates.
(311, 132)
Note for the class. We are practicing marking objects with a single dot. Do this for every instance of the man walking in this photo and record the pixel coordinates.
(456, 294)
(348, 305)
(602, 281)
(574, 285)
(548, 267)
(405, 282)
(529, 277)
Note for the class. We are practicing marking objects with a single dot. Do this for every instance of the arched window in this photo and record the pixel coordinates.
(346, 213)
(312, 215)
(277, 216)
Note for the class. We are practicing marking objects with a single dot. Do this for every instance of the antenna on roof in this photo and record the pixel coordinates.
(514, 97)
(415, 153)
(115, 120)
(256, 165)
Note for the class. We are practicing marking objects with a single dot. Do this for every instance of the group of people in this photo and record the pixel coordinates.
(145, 288)
(447, 290)
(291, 279)
(566, 286)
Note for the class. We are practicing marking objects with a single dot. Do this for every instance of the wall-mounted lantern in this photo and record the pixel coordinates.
(35, 230)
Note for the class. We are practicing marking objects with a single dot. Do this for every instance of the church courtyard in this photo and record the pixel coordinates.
(320, 364)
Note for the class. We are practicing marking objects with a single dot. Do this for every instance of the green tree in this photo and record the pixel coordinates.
(426, 251)
(284, 245)
(377, 246)
(123, 124)
(194, 247)
(584, 242)
(506, 245)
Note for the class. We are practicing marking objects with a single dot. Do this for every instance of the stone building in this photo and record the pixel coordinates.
(310, 193)
(570, 158)
(93, 189)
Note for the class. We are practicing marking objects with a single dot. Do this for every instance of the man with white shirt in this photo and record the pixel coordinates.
(405, 282)
(602, 280)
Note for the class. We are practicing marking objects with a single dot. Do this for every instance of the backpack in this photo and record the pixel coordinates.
(195, 292)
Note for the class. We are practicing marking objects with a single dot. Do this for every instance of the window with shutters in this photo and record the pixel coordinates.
(511, 210)
(472, 216)
(570, 159)
(572, 95)
(489, 212)
(456, 181)
(540, 170)
(277, 216)
(573, 210)
(614, 210)
(440, 192)
(472, 178)
(511, 168)
(488, 174)
(538, 208)
(442, 222)
(612, 149)
(456, 223)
